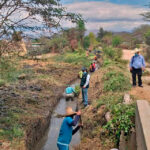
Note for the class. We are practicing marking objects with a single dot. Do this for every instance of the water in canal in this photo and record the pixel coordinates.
(49, 141)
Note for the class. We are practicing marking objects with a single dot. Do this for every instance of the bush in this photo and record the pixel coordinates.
(111, 53)
(77, 89)
(116, 81)
(122, 120)
(116, 41)
(86, 42)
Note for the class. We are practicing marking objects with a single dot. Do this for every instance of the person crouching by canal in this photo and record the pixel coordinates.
(66, 131)
(137, 66)
(84, 84)
(69, 93)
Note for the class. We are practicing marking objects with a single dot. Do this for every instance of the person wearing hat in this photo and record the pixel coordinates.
(66, 130)
(84, 84)
(137, 65)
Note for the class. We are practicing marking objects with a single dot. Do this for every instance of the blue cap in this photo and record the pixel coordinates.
(83, 68)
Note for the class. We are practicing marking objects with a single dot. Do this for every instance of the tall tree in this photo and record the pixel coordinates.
(81, 30)
(100, 34)
(32, 15)
(72, 38)
(93, 41)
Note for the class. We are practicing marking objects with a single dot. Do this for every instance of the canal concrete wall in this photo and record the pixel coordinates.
(143, 125)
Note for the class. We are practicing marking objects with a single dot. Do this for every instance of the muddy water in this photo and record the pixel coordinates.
(49, 141)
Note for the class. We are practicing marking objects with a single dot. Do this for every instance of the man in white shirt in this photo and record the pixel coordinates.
(85, 85)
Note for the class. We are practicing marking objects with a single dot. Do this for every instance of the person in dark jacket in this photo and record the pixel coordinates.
(66, 130)
(85, 85)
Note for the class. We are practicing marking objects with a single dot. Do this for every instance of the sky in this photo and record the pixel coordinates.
(112, 15)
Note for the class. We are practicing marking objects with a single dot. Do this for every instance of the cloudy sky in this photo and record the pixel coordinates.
(114, 15)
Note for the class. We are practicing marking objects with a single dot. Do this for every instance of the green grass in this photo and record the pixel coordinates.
(110, 100)
(10, 127)
(112, 53)
(75, 58)
(116, 81)
(10, 71)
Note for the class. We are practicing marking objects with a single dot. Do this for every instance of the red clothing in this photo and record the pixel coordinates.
(94, 65)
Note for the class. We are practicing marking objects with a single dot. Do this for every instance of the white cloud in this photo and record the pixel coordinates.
(107, 15)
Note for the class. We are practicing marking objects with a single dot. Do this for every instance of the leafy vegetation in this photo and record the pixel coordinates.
(114, 54)
(122, 120)
(75, 58)
(116, 41)
(116, 81)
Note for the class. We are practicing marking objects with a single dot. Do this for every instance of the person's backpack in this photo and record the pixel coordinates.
(132, 63)
(132, 60)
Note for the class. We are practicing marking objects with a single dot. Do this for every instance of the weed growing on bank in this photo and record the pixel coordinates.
(116, 82)
(10, 127)
(122, 120)
(76, 58)
(122, 116)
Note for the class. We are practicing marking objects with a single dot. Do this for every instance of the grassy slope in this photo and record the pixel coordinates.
(107, 88)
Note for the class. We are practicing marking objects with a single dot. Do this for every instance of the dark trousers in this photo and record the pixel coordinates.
(137, 72)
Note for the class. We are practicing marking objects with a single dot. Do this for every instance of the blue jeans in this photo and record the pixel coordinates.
(85, 96)
(62, 146)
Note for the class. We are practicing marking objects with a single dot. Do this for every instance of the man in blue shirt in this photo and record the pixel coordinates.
(66, 130)
(137, 65)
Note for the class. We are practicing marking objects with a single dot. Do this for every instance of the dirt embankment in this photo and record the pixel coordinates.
(91, 116)
(33, 99)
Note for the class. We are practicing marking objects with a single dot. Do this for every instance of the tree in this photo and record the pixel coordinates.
(32, 15)
(81, 30)
(107, 39)
(16, 36)
(100, 34)
(72, 38)
(93, 41)
(116, 41)
(86, 42)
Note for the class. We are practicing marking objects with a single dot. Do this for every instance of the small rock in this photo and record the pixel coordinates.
(127, 100)
(108, 116)
(22, 77)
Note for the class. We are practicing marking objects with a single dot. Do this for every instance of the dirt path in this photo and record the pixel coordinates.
(139, 93)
